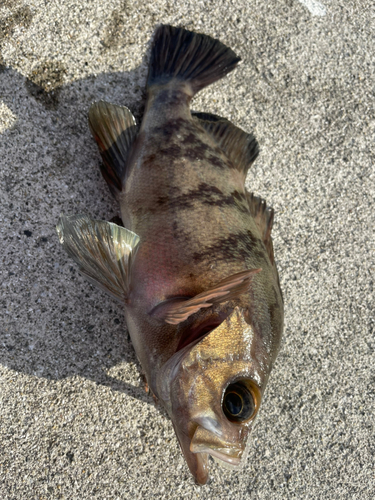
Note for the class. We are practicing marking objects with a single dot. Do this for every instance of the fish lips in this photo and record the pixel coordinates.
(197, 462)
(226, 453)
(197, 443)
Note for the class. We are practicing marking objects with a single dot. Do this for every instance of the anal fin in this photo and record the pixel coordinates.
(240, 147)
(114, 129)
(104, 251)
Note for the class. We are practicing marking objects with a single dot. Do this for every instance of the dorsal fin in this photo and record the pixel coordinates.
(104, 251)
(114, 129)
(263, 217)
(175, 311)
(241, 148)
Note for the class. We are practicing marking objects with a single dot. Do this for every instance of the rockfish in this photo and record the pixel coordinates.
(193, 263)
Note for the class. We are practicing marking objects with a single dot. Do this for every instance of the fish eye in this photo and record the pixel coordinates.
(239, 402)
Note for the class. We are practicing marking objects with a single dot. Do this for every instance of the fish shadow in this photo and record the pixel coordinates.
(59, 325)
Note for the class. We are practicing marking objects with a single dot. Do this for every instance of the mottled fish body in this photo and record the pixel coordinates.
(194, 261)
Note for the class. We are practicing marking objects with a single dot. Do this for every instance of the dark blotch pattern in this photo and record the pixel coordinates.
(198, 152)
(150, 160)
(218, 162)
(172, 127)
(233, 247)
(189, 144)
(173, 151)
(205, 194)
(172, 97)
(189, 139)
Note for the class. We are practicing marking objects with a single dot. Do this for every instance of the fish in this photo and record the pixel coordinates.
(193, 261)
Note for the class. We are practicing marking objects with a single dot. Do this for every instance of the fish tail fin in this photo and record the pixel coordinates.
(189, 57)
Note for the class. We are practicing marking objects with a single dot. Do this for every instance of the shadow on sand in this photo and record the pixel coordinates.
(48, 335)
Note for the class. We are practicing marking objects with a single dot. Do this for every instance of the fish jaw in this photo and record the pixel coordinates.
(206, 442)
(199, 442)
(192, 385)
(197, 462)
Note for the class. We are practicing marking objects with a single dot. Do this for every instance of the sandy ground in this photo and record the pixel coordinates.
(75, 421)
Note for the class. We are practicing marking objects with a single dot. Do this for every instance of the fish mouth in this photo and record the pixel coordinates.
(221, 456)
(226, 453)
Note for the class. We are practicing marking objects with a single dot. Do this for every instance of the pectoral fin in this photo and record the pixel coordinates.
(103, 250)
(176, 311)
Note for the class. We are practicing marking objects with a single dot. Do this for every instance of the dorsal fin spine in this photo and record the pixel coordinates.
(240, 147)
(263, 217)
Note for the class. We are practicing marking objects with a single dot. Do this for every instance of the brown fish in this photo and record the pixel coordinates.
(194, 264)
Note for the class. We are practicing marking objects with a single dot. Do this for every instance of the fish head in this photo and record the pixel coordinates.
(212, 391)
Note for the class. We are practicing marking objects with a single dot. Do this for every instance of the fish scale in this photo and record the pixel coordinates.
(194, 264)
